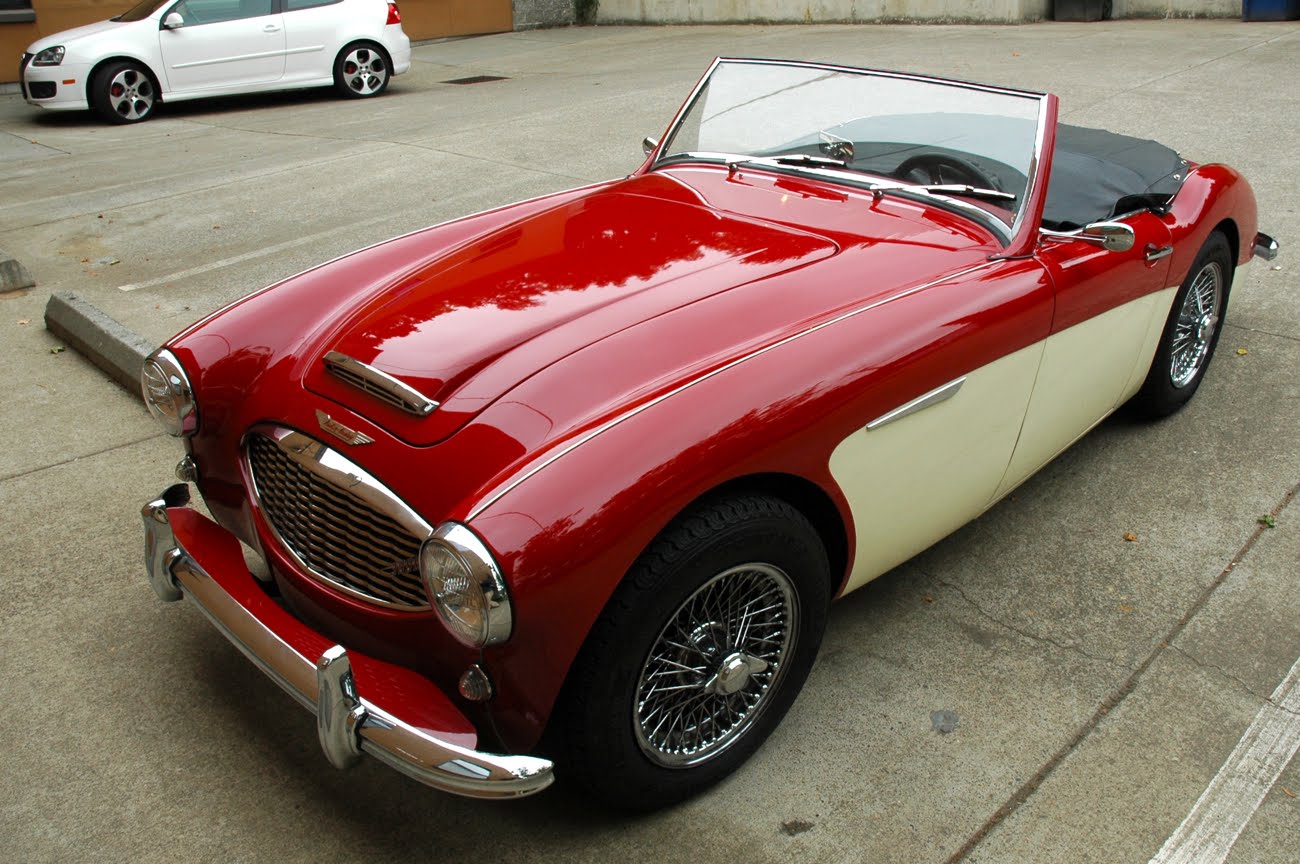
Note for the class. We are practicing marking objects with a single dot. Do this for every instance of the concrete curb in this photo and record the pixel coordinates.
(13, 275)
(103, 341)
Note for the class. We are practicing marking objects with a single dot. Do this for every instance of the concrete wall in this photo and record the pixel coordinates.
(543, 13)
(824, 11)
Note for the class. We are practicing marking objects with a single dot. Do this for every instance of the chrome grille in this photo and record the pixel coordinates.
(338, 536)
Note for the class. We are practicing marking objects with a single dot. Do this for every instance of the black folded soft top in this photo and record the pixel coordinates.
(1098, 174)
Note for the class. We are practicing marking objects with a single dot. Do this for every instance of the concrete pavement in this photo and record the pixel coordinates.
(1099, 685)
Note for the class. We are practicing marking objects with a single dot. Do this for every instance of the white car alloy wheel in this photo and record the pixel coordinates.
(123, 93)
(361, 70)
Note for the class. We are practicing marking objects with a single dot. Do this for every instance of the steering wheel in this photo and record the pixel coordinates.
(939, 169)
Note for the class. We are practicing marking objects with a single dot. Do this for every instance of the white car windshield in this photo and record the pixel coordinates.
(907, 133)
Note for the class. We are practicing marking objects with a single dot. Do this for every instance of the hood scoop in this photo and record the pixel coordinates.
(381, 385)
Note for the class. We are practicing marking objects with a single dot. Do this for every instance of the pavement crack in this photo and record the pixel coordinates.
(79, 457)
(1116, 698)
(1214, 667)
(1229, 326)
(1029, 634)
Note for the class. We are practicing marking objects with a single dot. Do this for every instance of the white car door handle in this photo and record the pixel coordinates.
(270, 28)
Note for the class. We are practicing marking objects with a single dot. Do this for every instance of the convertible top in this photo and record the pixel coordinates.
(1098, 174)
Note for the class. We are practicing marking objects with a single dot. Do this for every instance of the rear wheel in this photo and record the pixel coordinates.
(698, 655)
(123, 92)
(361, 70)
(1191, 332)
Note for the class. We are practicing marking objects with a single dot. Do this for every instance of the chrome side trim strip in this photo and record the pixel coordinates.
(379, 384)
(1265, 247)
(920, 403)
(347, 722)
(583, 439)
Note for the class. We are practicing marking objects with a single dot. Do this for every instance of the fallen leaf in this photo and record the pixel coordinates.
(1126, 608)
(926, 598)
(216, 227)
(1242, 352)
(24, 321)
(795, 826)
(1015, 53)
(58, 349)
(1130, 536)
(1288, 792)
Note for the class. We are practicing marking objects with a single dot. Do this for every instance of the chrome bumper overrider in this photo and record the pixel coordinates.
(1265, 247)
(348, 723)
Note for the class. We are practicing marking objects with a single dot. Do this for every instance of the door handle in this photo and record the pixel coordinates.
(1155, 253)
(270, 28)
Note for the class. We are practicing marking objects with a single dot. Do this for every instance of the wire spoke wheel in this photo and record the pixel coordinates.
(1197, 321)
(709, 673)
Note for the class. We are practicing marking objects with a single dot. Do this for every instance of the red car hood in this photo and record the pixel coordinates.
(469, 325)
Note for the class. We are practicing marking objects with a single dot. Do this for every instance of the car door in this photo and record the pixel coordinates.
(314, 31)
(959, 359)
(223, 44)
(1110, 311)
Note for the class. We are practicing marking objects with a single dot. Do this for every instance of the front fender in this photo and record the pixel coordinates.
(1211, 195)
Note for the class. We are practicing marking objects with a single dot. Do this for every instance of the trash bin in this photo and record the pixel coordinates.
(1270, 10)
(1086, 10)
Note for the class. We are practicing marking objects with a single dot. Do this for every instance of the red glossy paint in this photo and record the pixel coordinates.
(608, 355)
(395, 689)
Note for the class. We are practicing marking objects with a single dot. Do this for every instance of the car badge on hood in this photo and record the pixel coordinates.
(341, 432)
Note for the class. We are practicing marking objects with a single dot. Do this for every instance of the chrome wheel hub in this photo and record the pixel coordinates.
(364, 71)
(131, 94)
(1198, 319)
(711, 672)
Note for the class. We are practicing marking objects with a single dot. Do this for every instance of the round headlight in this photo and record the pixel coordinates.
(167, 393)
(465, 586)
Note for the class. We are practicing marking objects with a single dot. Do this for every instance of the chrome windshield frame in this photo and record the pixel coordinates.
(1006, 234)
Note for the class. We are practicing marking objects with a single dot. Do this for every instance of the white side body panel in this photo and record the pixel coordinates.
(914, 481)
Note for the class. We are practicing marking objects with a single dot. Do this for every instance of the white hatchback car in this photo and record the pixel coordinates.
(170, 50)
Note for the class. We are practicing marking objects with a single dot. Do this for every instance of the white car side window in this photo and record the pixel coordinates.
(198, 12)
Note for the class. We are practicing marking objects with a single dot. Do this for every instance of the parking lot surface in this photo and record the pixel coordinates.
(1034, 688)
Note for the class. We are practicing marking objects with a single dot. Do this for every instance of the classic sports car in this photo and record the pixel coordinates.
(580, 476)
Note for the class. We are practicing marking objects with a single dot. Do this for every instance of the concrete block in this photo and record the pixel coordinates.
(13, 275)
(103, 341)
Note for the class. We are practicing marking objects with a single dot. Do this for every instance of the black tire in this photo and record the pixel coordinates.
(123, 92)
(1191, 332)
(362, 70)
(754, 550)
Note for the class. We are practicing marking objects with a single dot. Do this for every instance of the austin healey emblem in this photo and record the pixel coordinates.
(341, 432)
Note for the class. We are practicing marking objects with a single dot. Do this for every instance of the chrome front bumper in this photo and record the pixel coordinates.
(394, 715)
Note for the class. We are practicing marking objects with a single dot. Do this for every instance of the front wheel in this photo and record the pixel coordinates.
(361, 70)
(123, 92)
(698, 655)
(1191, 332)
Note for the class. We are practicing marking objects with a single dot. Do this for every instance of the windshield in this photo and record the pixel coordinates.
(903, 129)
(141, 11)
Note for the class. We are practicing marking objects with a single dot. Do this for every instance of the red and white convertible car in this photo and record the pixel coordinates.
(581, 475)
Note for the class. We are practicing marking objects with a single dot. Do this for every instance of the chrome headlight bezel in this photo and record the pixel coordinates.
(168, 395)
(466, 587)
(52, 56)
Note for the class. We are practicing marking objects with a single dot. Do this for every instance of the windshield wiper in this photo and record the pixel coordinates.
(812, 161)
(954, 189)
